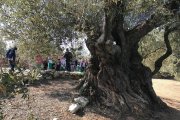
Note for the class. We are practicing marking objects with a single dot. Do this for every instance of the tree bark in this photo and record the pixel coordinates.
(116, 77)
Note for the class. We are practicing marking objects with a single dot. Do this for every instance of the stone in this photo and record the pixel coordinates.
(82, 101)
(55, 118)
(73, 108)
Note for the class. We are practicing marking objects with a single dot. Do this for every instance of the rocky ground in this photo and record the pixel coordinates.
(50, 100)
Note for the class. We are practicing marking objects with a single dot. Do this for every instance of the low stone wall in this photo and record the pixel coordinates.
(61, 74)
(45, 74)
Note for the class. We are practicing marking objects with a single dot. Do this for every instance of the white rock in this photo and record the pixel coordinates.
(16, 71)
(39, 76)
(27, 70)
(25, 73)
(55, 118)
(82, 101)
(73, 108)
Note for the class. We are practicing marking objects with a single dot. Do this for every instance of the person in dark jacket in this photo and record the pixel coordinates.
(68, 56)
(75, 64)
(45, 64)
(58, 65)
(11, 56)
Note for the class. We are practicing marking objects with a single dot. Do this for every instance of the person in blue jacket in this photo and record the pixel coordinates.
(11, 56)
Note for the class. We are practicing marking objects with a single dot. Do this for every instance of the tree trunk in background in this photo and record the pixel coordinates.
(116, 76)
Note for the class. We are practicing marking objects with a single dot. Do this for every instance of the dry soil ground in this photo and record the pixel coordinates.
(169, 91)
(51, 100)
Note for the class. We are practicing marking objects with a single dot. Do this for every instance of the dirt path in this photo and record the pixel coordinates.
(169, 91)
(46, 102)
(52, 99)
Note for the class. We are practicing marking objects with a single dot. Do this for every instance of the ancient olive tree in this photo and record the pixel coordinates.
(116, 76)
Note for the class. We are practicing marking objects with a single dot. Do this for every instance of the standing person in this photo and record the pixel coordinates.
(39, 60)
(50, 63)
(83, 65)
(45, 64)
(75, 64)
(11, 56)
(58, 65)
(53, 64)
(63, 63)
(86, 63)
(68, 56)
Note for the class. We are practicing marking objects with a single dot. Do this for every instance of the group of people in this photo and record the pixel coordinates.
(65, 63)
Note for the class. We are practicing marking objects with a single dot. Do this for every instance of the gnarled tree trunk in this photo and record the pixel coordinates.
(116, 76)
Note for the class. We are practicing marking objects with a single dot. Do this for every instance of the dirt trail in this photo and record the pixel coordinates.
(169, 91)
(46, 102)
(52, 99)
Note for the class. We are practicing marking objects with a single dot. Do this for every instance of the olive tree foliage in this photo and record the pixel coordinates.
(36, 25)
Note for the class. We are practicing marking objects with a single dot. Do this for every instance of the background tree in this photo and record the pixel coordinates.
(36, 25)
